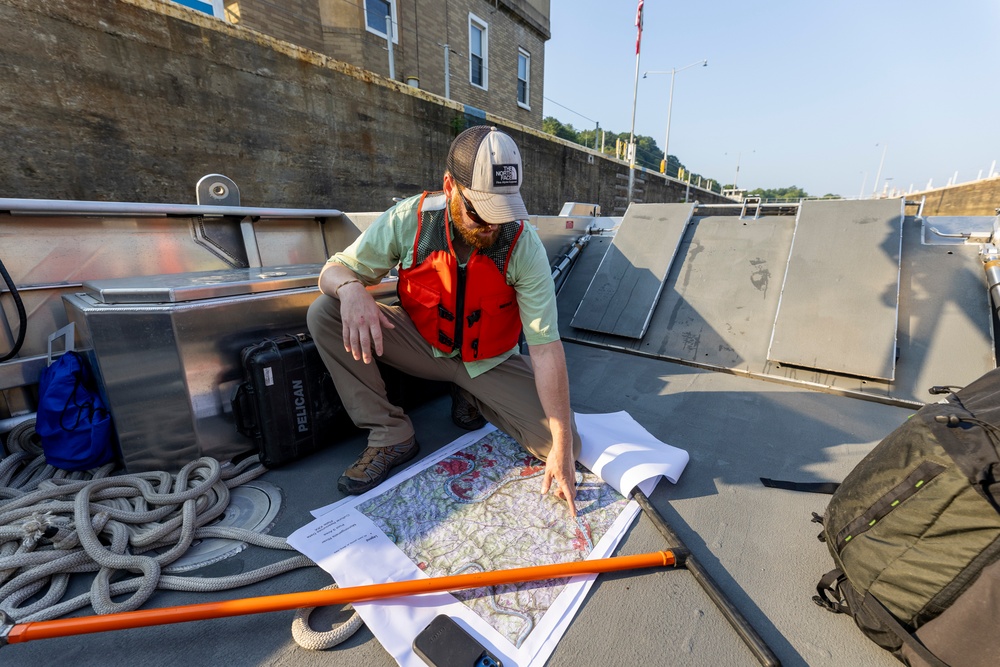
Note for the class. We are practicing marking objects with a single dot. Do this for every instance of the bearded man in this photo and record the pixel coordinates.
(473, 275)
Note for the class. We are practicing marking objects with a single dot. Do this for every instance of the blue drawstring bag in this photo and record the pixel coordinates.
(72, 422)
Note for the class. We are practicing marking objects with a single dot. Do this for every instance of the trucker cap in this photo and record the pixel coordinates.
(487, 164)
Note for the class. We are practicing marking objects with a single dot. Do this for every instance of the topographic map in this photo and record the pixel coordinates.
(480, 510)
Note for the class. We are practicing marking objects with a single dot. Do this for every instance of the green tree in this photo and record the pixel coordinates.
(648, 154)
(552, 126)
(792, 193)
(586, 138)
(674, 167)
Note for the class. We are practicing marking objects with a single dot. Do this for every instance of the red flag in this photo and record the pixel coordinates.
(638, 24)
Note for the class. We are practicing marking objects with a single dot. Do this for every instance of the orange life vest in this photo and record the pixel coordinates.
(470, 308)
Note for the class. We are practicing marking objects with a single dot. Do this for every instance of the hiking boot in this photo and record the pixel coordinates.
(464, 412)
(373, 466)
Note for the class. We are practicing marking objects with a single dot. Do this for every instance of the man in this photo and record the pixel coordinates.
(472, 276)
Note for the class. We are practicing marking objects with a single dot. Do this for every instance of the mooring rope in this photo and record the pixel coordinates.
(314, 640)
(55, 523)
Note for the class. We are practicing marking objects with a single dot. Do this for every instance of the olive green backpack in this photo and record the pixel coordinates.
(914, 531)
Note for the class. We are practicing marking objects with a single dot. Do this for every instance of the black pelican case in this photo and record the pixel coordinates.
(287, 403)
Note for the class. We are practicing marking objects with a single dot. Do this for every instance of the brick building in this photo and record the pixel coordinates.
(494, 49)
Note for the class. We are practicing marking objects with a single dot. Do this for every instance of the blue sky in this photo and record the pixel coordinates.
(796, 92)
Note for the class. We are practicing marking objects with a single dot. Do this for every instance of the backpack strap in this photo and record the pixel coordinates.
(831, 597)
(807, 487)
(890, 622)
(962, 439)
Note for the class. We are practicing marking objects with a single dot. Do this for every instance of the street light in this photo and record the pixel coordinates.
(670, 103)
(878, 174)
(885, 188)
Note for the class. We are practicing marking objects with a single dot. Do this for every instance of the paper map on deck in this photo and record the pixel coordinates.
(475, 505)
(479, 510)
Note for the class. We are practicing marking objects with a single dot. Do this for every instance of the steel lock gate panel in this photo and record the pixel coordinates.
(621, 298)
(840, 297)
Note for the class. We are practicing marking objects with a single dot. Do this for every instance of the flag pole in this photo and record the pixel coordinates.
(635, 92)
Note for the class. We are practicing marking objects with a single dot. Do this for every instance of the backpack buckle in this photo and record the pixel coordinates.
(829, 595)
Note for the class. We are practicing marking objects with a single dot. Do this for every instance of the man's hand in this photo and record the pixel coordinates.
(552, 382)
(362, 317)
(561, 470)
(363, 321)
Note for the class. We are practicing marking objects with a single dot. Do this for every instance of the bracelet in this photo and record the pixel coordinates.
(336, 292)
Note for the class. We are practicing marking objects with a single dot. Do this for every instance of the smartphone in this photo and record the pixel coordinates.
(444, 643)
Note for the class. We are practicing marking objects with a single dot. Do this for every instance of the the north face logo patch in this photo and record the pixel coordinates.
(504, 175)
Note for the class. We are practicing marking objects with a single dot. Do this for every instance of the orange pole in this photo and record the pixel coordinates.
(24, 632)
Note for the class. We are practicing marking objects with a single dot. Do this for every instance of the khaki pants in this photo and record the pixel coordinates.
(505, 395)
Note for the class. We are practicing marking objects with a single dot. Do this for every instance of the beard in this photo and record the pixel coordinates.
(480, 237)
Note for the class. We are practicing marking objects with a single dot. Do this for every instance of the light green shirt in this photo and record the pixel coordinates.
(389, 242)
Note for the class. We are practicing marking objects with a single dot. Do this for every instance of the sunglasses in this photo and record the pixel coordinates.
(471, 212)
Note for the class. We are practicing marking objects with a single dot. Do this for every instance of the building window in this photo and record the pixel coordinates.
(232, 8)
(210, 7)
(478, 52)
(375, 13)
(523, 78)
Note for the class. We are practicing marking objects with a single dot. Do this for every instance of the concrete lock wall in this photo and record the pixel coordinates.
(977, 198)
(135, 100)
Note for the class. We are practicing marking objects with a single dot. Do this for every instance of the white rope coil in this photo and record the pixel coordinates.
(314, 640)
(54, 524)
(53, 527)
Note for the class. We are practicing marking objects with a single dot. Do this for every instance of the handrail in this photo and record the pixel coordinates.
(739, 204)
(73, 207)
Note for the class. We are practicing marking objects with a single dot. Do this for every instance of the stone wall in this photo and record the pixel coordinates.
(135, 100)
(976, 198)
(295, 21)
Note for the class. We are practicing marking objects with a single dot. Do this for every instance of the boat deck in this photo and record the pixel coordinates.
(700, 378)
(757, 543)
